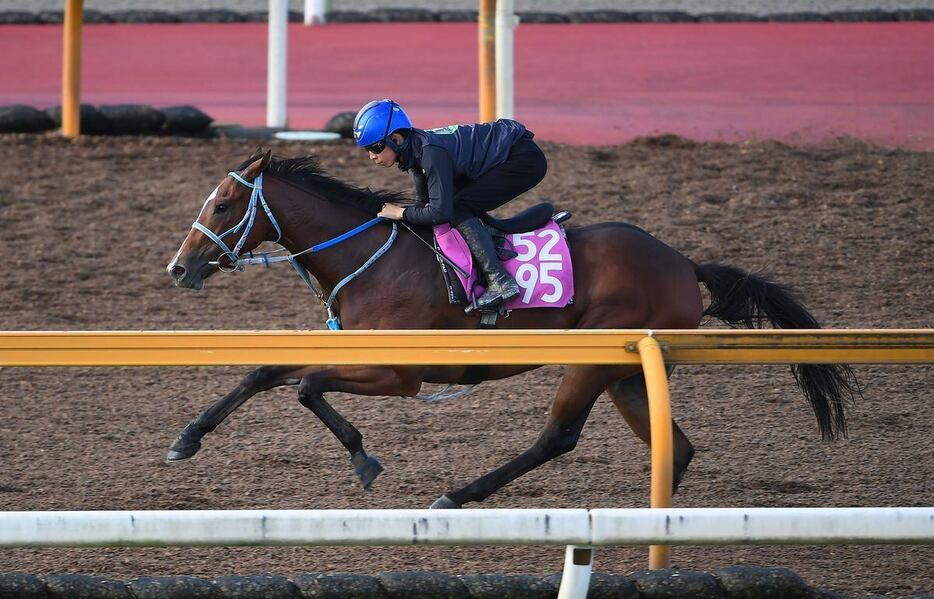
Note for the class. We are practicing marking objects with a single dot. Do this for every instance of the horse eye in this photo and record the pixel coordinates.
(220, 208)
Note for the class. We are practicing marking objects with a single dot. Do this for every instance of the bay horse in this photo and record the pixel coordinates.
(623, 278)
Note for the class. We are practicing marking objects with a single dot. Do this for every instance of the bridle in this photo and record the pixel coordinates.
(246, 223)
(257, 198)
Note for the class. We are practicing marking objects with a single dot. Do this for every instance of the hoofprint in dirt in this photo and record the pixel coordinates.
(88, 227)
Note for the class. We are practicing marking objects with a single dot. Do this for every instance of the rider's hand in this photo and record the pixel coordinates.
(391, 211)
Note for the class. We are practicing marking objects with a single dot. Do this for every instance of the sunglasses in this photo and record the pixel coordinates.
(376, 147)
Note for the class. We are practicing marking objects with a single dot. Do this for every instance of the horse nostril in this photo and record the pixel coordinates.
(177, 271)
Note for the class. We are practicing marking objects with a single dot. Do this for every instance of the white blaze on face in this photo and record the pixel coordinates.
(207, 201)
(200, 214)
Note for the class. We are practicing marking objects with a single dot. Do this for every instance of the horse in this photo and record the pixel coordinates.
(623, 278)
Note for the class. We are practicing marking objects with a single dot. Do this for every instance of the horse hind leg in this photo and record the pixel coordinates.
(579, 389)
(631, 399)
(188, 441)
(359, 380)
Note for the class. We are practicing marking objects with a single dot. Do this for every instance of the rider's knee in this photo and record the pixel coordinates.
(541, 169)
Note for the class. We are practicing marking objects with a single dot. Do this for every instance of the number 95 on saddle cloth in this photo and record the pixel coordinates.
(542, 267)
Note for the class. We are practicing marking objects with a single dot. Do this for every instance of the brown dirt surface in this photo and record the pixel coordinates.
(88, 227)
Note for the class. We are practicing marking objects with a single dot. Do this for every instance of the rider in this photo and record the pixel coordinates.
(460, 172)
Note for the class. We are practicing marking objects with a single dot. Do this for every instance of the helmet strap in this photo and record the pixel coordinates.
(392, 145)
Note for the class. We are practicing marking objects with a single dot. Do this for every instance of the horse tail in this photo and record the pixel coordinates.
(739, 298)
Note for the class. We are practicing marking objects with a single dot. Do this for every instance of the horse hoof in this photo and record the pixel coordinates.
(182, 448)
(444, 503)
(368, 471)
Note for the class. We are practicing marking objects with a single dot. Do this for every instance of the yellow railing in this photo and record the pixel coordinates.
(610, 346)
(652, 349)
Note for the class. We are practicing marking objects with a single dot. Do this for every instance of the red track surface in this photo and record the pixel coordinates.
(586, 84)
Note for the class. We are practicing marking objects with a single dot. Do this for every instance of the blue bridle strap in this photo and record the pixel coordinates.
(343, 236)
(257, 197)
(268, 258)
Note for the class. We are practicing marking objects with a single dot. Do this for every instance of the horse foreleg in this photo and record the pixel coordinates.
(632, 400)
(188, 441)
(580, 388)
(359, 380)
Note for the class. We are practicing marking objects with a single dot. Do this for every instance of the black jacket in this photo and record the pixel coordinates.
(441, 160)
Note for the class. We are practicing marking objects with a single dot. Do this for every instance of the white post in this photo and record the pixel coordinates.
(315, 12)
(506, 21)
(277, 63)
(575, 579)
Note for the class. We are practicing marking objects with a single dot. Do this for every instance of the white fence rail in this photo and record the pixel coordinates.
(596, 527)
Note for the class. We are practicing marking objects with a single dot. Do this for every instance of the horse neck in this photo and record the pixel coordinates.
(308, 219)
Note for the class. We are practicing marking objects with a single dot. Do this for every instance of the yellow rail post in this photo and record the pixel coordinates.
(487, 59)
(656, 382)
(71, 69)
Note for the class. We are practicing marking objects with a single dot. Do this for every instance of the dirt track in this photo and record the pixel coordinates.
(87, 229)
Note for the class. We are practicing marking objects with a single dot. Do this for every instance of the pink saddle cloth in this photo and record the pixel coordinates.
(542, 268)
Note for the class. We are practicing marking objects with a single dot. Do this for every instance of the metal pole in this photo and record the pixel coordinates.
(487, 56)
(277, 63)
(575, 578)
(506, 21)
(656, 383)
(71, 69)
(315, 12)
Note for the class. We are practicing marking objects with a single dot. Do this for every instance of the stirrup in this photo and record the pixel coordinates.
(474, 305)
(499, 306)
(488, 315)
(488, 319)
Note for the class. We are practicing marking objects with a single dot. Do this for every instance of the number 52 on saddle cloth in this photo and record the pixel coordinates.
(542, 267)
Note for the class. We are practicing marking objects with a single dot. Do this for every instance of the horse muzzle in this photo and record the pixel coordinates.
(185, 277)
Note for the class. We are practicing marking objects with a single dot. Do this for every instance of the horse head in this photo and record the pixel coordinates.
(230, 211)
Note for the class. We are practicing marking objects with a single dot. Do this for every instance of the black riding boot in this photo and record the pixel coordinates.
(500, 285)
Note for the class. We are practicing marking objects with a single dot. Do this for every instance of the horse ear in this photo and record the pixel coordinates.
(257, 166)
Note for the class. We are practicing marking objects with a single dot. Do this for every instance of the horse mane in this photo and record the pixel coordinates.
(306, 173)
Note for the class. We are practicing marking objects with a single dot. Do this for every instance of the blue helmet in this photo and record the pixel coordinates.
(377, 121)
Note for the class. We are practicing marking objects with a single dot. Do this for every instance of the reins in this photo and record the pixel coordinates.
(266, 258)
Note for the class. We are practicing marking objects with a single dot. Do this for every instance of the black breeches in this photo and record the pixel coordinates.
(523, 170)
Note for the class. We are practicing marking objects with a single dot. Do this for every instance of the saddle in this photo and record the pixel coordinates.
(533, 248)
